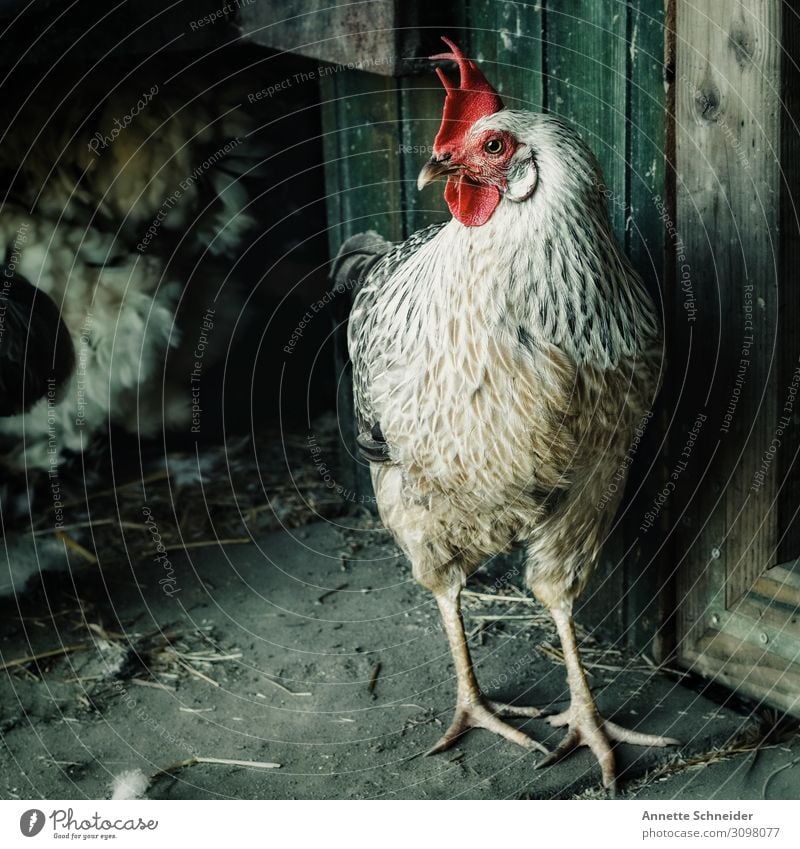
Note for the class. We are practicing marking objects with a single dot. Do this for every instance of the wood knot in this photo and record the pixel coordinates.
(742, 41)
(707, 102)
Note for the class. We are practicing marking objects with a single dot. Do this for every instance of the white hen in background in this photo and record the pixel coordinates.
(128, 208)
(128, 215)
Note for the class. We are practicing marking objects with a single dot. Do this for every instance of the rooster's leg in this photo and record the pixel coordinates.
(473, 710)
(585, 725)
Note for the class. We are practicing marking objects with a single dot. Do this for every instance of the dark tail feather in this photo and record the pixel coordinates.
(373, 445)
(356, 258)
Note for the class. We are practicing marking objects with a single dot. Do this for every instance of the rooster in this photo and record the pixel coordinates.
(501, 363)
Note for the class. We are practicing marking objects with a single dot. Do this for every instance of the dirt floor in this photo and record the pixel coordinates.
(313, 661)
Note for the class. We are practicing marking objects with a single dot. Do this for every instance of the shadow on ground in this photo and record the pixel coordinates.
(314, 650)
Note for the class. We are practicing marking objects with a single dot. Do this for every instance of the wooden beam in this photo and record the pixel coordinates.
(645, 241)
(746, 669)
(727, 119)
(421, 102)
(587, 53)
(359, 34)
(586, 63)
(506, 38)
(390, 38)
(364, 191)
(787, 471)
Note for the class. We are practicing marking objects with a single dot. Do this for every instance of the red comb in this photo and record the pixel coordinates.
(472, 99)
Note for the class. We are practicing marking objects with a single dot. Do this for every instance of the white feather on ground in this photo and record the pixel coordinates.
(131, 784)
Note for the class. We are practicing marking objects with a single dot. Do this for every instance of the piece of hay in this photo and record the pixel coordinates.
(193, 761)
(30, 658)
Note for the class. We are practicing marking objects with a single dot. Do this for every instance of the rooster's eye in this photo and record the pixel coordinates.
(494, 146)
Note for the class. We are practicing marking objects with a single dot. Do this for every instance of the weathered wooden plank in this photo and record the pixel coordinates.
(354, 34)
(331, 151)
(586, 65)
(586, 80)
(347, 470)
(665, 584)
(385, 37)
(747, 669)
(769, 626)
(645, 245)
(506, 38)
(367, 129)
(787, 464)
(363, 173)
(421, 103)
(780, 585)
(727, 79)
(646, 133)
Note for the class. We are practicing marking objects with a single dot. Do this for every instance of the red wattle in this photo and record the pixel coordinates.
(470, 203)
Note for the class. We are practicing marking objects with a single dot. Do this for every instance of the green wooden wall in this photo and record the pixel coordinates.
(600, 65)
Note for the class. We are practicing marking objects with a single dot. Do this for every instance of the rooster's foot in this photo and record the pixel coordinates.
(587, 728)
(486, 714)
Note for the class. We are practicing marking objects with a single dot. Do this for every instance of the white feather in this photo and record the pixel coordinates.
(131, 784)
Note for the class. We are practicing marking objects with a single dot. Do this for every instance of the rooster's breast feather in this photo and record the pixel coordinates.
(363, 266)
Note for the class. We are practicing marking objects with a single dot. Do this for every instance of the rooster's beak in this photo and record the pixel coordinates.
(434, 169)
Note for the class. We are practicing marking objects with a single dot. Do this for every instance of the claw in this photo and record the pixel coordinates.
(636, 738)
(587, 728)
(460, 725)
(473, 710)
(444, 743)
(570, 742)
(486, 715)
(585, 725)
